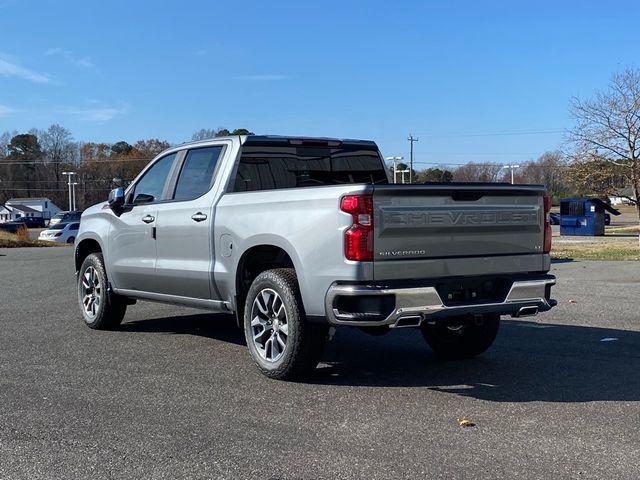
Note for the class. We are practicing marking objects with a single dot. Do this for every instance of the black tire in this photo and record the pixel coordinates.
(71, 239)
(466, 339)
(305, 341)
(109, 309)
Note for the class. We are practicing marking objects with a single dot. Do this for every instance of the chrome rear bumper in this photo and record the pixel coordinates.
(416, 305)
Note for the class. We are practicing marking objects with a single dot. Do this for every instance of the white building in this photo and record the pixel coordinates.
(5, 214)
(32, 207)
(624, 200)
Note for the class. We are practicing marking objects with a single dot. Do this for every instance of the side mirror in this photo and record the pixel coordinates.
(116, 200)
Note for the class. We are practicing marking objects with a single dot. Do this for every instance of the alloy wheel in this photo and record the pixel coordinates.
(269, 325)
(91, 291)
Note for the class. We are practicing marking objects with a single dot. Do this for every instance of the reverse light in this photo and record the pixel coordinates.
(547, 225)
(358, 239)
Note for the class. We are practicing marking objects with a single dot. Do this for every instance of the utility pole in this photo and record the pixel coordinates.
(411, 139)
(71, 199)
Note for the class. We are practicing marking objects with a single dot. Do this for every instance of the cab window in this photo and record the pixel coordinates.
(150, 187)
(196, 176)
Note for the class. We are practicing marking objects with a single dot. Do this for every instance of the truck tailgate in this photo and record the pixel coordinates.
(427, 225)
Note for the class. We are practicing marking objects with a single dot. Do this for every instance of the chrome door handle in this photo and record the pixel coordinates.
(198, 217)
(148, 218)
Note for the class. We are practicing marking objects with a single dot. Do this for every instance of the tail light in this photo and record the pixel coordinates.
(358, 239)
(547, 225)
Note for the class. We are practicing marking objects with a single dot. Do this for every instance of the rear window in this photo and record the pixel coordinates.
(272, 167)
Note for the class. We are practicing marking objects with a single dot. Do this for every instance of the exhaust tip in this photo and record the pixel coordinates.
(409, 321)
(527, 312)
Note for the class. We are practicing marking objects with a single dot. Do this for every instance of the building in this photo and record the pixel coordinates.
(624, 200)
(5, 214)
(32, 207)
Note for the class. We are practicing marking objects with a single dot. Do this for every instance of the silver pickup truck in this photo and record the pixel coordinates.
(299, 235)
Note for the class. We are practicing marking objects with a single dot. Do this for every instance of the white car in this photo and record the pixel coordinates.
(60, 233)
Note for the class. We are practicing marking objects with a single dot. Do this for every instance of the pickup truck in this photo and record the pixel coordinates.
(297, 236)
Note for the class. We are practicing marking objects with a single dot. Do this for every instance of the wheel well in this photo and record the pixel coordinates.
(84, 249)
(253, 262)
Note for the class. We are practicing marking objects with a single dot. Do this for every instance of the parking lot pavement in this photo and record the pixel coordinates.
(173, 393)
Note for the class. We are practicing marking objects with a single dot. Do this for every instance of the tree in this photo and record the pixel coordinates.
(149, 148)
(607, 136)
(241, 131)
(24, 151)
(477, 172)
(435, 175)
(550, 170)
(204, 134)
(121, 148)
(24, 147)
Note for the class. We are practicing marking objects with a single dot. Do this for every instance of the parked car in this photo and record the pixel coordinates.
(554, 218)
(30, 222)
(65, 217)
(297, 236)
(60, 233)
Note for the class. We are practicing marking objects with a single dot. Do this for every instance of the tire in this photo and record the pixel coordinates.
(463, 340)
(71, 239)
(281, 342)
(100, 309)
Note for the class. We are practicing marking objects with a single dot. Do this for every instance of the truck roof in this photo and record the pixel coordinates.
(287, 140)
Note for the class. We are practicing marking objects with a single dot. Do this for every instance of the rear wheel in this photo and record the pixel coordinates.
(71, 239)
(100, 309)
(461, 338)
(281, 342)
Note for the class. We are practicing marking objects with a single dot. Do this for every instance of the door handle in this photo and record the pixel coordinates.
(148, 218)
(198, 217)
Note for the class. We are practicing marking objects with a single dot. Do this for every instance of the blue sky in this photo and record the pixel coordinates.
(453, 73)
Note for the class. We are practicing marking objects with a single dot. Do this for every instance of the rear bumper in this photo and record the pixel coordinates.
(414, 305)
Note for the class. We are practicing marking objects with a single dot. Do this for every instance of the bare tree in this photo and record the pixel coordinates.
(204, 134)
(607, 134)
(477, 172)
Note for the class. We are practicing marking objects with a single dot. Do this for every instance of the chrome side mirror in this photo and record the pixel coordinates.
(116, 200)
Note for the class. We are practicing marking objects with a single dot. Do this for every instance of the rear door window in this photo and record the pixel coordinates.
(196, 175)
(273, 167)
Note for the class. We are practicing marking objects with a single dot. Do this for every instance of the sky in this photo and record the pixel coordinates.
(483, 81)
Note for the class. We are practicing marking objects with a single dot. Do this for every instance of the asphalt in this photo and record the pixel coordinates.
(173, 393)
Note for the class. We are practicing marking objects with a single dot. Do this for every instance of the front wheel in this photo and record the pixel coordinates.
(282, 343)
(462, 338)
(100, 309)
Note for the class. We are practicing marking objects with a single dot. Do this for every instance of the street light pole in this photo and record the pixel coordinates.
(395, 165)
(512, 168)
(73, 190)
(71, 200)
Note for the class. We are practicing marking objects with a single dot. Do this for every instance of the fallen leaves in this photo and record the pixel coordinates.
(465, 422)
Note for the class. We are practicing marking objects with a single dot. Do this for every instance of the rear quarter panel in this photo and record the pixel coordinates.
(305, 222)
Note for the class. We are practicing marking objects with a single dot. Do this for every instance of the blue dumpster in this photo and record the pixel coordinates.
(584, 216)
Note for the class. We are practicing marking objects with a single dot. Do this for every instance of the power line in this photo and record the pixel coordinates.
(499, 134)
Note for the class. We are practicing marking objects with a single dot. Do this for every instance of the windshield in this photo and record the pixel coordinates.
(58, 226)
